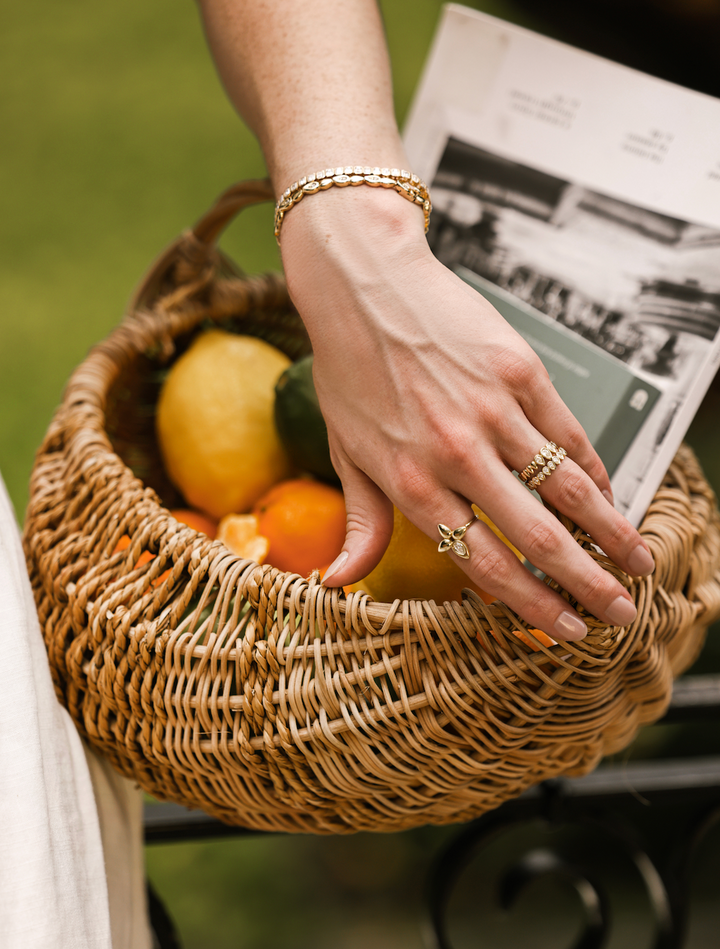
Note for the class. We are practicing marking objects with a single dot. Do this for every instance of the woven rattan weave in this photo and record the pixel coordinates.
(270, 701)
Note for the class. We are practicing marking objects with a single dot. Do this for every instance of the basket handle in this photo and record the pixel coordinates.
(231, 202)
(196, 241)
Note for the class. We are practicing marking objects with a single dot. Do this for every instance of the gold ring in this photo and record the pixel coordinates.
(542, 465)
(453, 539)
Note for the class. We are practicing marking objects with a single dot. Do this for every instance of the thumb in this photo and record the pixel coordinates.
(369, 527)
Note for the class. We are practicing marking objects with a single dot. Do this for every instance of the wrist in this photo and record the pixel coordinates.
(347, 254)
(363, 218)
(407, 185)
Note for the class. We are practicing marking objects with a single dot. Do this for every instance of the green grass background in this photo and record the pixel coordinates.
(116, 135)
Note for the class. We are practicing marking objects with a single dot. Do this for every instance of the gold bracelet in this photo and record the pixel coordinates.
(406, 184)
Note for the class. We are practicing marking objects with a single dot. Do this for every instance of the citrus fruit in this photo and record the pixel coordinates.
(215, 422)
(412, 568)
(538, 634)
(239, 533)
(196, 520)
(304, 521)
(145, 557)
(124, 543)
(300, 423)
(482, 516)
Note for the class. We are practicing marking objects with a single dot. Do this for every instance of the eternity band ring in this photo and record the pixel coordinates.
(542, 465)
(453, 539)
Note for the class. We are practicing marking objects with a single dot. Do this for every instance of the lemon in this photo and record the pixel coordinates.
(412, 568)
(215, 422)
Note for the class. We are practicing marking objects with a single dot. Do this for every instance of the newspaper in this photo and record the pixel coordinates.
(582, 198)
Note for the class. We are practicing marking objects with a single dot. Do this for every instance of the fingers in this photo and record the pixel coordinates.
(574, 494)
(547, 412)
(571, 490)
(527, 524)
(495, 569)
(369, 527)
(550, 548)
(578, 487)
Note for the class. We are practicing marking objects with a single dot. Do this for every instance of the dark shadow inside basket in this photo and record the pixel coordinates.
(133, 396)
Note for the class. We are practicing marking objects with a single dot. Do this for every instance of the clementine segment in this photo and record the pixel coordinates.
(239, 533)
(304, 522)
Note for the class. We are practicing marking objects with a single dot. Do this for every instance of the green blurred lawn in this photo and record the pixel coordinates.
(116, 136)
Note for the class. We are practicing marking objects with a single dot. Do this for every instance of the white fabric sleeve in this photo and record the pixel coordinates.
(53, 884)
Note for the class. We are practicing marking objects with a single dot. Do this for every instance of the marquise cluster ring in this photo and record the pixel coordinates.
(453, 539)
(542, 465)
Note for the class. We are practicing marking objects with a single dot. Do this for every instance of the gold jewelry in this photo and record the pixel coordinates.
(542, 465)
(453, 539)
(405, 183)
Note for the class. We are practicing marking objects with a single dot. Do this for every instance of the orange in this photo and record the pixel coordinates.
(304, 521)
(196, 520)
(145, 557)
(215, 422)
(239, 533)
(186, 516)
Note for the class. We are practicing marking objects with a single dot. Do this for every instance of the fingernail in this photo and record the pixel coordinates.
(640, 562)
(621, 612)
(337, 563)
(570, 626)
(608, 497)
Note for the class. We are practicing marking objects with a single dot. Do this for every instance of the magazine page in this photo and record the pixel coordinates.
(582, 198)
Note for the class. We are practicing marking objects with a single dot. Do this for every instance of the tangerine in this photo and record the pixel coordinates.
(304, 521)
(239, 533)
(196, 520)
(145, 557)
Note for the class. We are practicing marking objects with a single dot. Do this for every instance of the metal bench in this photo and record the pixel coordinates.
(610, 801)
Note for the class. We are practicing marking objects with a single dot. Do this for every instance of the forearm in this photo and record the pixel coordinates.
(312, 80)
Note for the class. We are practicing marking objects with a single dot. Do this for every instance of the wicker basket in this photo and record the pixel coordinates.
(272, 702)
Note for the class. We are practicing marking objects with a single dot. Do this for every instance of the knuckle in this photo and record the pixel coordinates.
(621, 535)
(573, 490)
(517, 369)
(541, 542)
(538, 601)
(414, 482)
(500, 423)
(491, 565)
(595, 588)
(596, 470)
(574, 440)
(453, 449)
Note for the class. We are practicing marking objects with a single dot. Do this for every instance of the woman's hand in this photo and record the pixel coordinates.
(432, 400)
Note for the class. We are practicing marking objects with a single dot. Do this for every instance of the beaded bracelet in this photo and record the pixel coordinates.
(406, 184)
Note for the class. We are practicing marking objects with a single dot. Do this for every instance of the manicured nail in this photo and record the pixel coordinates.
(570, 626)
(337, 563)
(608, 497)
(621, 612)
(640, 562)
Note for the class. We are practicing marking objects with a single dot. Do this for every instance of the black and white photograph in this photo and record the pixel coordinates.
(642, 286)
